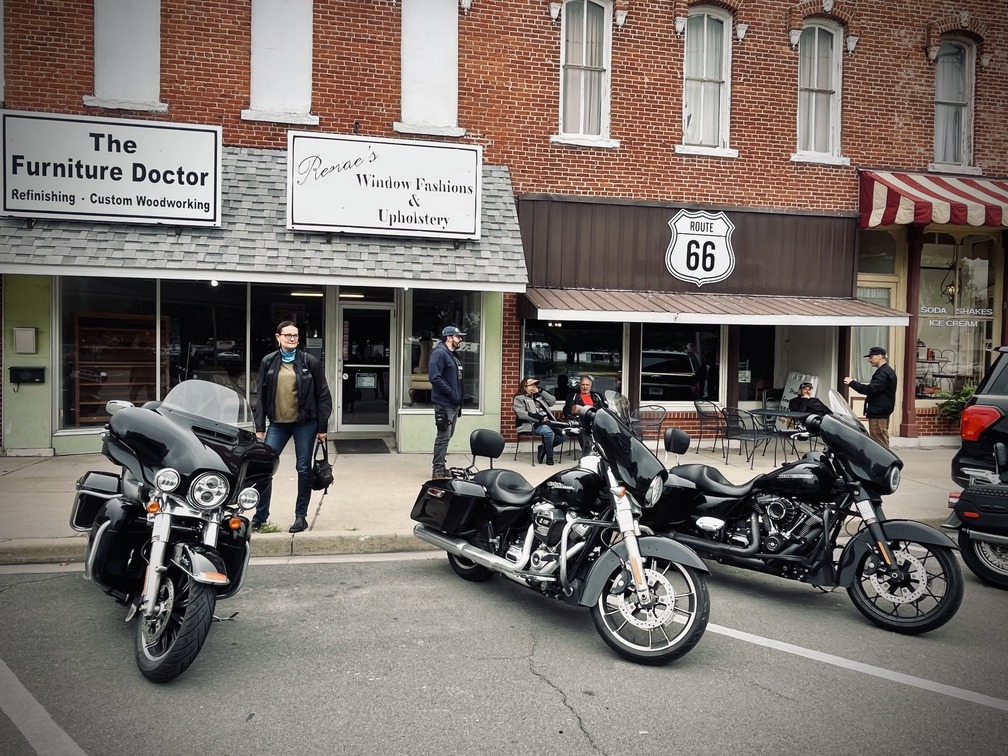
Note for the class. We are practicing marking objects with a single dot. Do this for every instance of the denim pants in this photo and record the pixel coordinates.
(445, 419)
(277, 436)
(550, 438)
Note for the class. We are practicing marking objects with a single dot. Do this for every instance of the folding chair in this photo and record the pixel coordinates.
(710, 418)
(649, 420)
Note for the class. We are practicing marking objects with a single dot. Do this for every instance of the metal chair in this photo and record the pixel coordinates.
(742, 426)
(710, 419)
(525, 431)
(649, 419)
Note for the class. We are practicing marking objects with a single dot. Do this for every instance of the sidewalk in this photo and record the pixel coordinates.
(367, 509)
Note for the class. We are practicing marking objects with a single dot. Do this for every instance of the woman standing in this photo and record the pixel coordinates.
(532, 410)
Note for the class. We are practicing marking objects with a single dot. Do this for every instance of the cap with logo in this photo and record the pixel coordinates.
(876, 350)
(451, 331)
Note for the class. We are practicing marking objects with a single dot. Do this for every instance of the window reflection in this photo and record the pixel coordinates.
(559, 353)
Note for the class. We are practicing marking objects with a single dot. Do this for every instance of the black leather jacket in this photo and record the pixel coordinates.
(314, 399)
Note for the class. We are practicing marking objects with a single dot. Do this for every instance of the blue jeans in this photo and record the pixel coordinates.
(277, 436)
(549, 437)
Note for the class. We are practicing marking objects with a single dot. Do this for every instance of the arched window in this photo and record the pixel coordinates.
(953, 120)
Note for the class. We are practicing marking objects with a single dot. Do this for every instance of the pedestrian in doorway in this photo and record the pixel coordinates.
(880, 393)
(445, 373)
(294, 396)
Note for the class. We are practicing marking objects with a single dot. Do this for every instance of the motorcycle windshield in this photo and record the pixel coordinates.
(867, 458)
(209, 400)
(630, 459)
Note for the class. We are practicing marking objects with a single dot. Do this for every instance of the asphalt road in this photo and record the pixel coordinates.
(396, 655)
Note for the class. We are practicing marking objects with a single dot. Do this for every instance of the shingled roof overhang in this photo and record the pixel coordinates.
(739, 309)
(253, 242)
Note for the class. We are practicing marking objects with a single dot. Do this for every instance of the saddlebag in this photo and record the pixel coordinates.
(990, 502)
(93, 490)
(451, 506)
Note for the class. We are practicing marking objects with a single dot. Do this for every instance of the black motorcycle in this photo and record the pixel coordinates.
(575, 537)
(166, 535)
(980, 515)
(791, 522)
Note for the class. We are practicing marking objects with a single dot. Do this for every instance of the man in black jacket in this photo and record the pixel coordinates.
(805, 402)
(294, 396)
(880, 393)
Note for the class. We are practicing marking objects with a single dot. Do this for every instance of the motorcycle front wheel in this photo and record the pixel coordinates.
(168, 640)
(659, 633)
(925, 595)
(989, 561)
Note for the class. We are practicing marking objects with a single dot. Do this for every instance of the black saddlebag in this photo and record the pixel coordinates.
(989, 501)
(451, 506)
(93, 490)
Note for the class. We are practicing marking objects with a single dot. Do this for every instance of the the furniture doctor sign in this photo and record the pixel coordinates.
(700, 251)
(111, 170)
(383, 187)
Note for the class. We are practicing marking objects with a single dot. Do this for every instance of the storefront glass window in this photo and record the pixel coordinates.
(877, 252)
(427, 312)
(679, 363)
(559, 353)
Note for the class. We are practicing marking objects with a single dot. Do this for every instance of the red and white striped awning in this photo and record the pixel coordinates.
(902, 198)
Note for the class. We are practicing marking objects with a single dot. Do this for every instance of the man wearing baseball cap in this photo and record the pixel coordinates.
(880, 393)
(444, 370)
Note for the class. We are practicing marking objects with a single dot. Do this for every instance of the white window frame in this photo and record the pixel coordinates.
(832, 156)
(280, 62)
(965, 165)
(722, 148)
(127, 56)
(601, 139)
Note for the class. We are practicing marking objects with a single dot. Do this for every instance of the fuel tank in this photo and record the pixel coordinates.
(575, 488)
(806, 478)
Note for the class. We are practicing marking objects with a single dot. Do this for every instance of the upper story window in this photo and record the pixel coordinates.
(585, 68)
(280, 65)
(819, 100)
(428, 51)
(707, 81)
(127, 56)
(953, 119)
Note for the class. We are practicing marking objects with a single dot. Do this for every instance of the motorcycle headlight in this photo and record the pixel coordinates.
(209, 491)
(893, 478)
(654, 491)
(167, 479)
(248, 499)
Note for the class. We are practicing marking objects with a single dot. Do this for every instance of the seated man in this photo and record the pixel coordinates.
(578, 401)
(532, 413)
(805, 402)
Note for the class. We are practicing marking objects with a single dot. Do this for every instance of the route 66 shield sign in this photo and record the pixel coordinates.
(700, 250)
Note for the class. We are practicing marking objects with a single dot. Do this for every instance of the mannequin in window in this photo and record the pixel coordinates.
(418, 380)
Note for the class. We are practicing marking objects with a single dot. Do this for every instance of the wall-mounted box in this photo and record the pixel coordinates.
(19, 375)
(26, 340)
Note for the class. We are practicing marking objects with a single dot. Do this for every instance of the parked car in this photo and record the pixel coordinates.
(984, 422)
(669, 376)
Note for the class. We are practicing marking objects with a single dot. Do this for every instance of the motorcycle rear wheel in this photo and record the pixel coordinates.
(924, 597)
(169, 640)
(666, 631)
(989, 561)
(467, 569)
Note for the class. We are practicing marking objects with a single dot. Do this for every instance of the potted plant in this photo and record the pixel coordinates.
(951, 409)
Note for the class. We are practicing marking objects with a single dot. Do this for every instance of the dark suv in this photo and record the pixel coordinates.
(984, 421)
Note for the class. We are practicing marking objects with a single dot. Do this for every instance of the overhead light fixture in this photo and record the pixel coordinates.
(213, 282)
(680, 25)
(852, 40)
(740, 31)
(465, 5)
(794, 37)
(350, 295)
(620, 17)
(306, 293)
(948, 285)
(554, 9)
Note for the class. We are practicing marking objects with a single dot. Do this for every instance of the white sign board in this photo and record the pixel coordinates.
(383, 187)
(111, 170)
(700, 251)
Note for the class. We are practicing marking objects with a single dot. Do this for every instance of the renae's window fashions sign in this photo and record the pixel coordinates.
(383, 187)
(120, 171)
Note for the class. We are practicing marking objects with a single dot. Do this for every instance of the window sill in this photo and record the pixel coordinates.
(90, 101)
(695, 149)
(814, 157)
(415, 128)
(584, 141)
(971, 170)
(304, 119)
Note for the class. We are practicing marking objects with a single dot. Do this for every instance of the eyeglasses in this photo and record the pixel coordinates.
(291, 336)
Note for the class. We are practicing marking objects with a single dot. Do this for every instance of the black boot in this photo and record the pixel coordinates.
(300, 523)
(540, 454)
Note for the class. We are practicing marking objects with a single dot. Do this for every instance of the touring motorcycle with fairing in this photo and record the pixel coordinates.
(167, 537)
(576, 538)
(819, 520)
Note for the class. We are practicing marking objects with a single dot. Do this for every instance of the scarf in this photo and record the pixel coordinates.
(287, 356)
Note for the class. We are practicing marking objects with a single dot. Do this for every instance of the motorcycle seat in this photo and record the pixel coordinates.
(506, 486)
(709, 479)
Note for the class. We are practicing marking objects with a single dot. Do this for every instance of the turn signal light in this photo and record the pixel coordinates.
(235, 523)
(974, 515)
(154, 507)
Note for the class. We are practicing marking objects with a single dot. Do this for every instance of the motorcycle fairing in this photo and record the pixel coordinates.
(895, 530)
(650, 546)
(868, 459)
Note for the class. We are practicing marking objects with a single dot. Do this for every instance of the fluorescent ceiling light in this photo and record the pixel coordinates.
(306, 293)
(350, 295)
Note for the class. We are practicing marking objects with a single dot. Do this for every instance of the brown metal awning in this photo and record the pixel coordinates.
(665, 307)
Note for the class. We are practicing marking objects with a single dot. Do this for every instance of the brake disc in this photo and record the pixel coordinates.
(659, 613)
(913, 570)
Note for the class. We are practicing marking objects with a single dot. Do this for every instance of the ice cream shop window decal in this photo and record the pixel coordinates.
(700, 251)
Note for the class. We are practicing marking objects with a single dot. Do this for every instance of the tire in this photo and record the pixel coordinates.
(168, 641)
(989, 561)
(467, 569)
(660, 634)
(925, 597)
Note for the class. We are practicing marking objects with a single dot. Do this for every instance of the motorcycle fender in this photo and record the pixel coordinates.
(200, 562)
(650, 546)
(895, 530)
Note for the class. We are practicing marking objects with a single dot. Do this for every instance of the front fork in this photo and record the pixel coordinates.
(867, 512)
(156, 563)
(630, 531)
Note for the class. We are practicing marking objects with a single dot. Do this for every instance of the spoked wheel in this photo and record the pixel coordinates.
(925, 595)
(989, 561)
(168, 640)
(667, 629)
(467, 569)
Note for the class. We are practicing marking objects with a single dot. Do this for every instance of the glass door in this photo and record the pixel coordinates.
(364, 369)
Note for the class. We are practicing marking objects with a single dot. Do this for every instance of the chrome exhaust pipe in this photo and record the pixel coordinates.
(466, 550)
(979, 535)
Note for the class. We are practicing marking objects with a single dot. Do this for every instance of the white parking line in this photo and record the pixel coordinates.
(31, 718)
(867, 669)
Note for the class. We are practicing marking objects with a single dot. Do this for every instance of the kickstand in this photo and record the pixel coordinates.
(225, 619)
